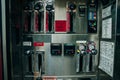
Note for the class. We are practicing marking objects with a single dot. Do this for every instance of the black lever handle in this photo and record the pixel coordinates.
(39, 61)
(81, 62)
(30, 63)
(90, 63)
(29, 53)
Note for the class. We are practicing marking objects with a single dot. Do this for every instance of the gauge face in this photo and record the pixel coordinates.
(81, 47)
(91, 46)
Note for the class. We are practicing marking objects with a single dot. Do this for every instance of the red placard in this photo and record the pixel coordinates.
(38, 44)
(49, 78)
(60, 25)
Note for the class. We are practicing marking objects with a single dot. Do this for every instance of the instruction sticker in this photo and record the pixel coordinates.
(107, 28)
(27, 43)
(107, 57)
(106, 12)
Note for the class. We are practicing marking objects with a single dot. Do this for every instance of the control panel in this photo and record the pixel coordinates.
(56, 49)
(82, 8)
(69, 49)
(92, 16)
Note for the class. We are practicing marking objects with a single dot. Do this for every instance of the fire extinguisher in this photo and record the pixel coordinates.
(38, 16)
(50, 13)
(27, 17)
(71, 7)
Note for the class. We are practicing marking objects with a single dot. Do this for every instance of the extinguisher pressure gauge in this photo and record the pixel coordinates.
(91, 46)
(92, 49)
(81, 47)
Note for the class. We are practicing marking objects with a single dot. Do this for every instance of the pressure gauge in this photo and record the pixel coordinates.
(81, 47)
(91, 46)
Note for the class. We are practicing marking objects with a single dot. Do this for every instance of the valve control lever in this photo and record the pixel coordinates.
(39, 61)
(81, 51)
(40, 55)
(81, 62)
(29, 54)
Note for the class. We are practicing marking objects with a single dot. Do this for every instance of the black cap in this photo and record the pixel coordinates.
(49, 7)
(38, 6)
(28, 6)
(72, 6)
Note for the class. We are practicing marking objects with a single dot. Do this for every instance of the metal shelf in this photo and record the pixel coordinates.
(56, 34)
(79, 75)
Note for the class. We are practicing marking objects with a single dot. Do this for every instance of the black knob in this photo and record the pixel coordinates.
(72, 6)
(49, 7)
(28, 52)
(28, 6)
(83, 52)
(93, 52)
(38, 6)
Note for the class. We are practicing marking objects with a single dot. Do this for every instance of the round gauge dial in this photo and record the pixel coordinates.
(91, 46)
(81, 47)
